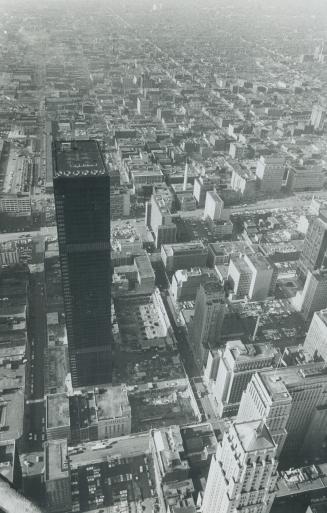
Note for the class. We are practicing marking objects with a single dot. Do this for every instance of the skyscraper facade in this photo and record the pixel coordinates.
(315, 245)
(236, 367)
(82, 200)
(316, 340)
(286, 399)
(209, 313)
(242, 474)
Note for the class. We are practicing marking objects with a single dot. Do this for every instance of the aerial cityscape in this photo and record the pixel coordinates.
(163, 256)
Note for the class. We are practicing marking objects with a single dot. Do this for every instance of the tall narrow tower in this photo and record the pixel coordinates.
(185, 177)
(242, 475)
(209, 313)
(82, 199)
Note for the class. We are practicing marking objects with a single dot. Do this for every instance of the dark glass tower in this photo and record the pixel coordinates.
(82, 198)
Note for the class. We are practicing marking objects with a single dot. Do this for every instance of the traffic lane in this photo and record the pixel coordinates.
(182, 343)
(37, 338)
(34, 426)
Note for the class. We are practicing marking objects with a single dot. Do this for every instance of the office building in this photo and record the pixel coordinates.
(82, 199)
(314, 443)
(120, 203)
(202, 184)
(305, 176)
(242, 475)
(209, 313)
(239, 276)
(313, 297)
(184, 284)
(270, 173)
(263, 276)
(252, 275)
(262, 400)
(287, 399)
(243, 180)
(214, 206)
(159, 218)
(315, 245)
(316, 340)
(236, 367)
(184, 255)
(16, 205)
(318, 116)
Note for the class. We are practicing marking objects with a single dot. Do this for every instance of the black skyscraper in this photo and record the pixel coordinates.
(82, 198)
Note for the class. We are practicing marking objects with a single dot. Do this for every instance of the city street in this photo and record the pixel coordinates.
(34, 390)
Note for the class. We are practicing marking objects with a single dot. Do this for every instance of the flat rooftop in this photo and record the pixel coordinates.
(112, 403)
(78, 158)
(57, 411)
(56, 460)
(278, 381)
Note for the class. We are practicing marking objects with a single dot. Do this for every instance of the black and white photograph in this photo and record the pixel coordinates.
(163, 256)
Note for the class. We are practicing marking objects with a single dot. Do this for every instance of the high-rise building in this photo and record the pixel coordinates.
(214, 206)
(209, 313)
(318, 116)
(82, 199)
(242, 474)
(270, 172)
(262, 400)
(159, 218)
(313, 297)
(315, 245)
(202, 184)
(236, 368)
(239, 276)
(262, 276)
(316, 340)
(286, 398)
(184, 255)
(252, 275)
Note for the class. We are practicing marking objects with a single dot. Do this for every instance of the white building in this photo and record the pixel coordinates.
(242, 474)
(214, 206)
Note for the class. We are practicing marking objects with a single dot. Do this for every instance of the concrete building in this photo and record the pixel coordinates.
(318, 117)
(316, 340)
(252, 275)
(10, 467)
(120, 202)
(242, 475)
(57, 423)
(214, 206)
(261, 400)
(271, 392)
(184, 283)
(305, 176)
(14, 205)
(262, 276)
(244, 181)
(239, 276)
(202, 185)
(270, 172)
(236, 367)
(57, 477)
(160, 220)
(316, 436)
(315, 245)
(209, 313)
(88, 415)
(184, 255)
(313, 297)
